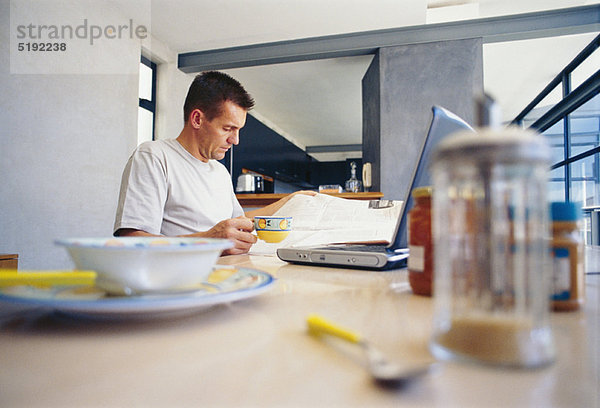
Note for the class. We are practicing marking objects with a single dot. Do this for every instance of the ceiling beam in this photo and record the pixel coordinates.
(575, 20)
(334, 148)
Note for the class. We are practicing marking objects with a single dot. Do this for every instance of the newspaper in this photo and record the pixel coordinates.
(325, 219)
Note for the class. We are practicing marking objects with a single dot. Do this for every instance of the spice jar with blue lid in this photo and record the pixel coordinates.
(567, 293)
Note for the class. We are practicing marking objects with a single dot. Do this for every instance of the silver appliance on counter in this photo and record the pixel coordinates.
(249, 183)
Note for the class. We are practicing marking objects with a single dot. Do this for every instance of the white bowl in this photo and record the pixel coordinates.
(129, 265)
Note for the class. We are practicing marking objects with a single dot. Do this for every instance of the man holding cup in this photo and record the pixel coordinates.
(176, 187)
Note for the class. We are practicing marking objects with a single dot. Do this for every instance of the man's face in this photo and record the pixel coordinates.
(218, 135)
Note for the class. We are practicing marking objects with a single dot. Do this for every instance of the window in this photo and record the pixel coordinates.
(147, 97)
(576, 173)
(572, 126)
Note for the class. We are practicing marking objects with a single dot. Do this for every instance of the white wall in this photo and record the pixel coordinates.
(172, 87)
(64, 140)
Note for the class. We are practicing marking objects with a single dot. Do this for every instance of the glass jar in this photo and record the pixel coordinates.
(420, 261)
(490, 227)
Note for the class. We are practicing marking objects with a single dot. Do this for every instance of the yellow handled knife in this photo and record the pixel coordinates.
(14, 277)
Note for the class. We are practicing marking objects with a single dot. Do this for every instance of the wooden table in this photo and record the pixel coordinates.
(256, 352)
(260, 200)
(9, 261)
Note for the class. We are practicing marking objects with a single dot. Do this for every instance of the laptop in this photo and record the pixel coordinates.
(395, 254)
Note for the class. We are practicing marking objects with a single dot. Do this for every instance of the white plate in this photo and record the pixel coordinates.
(241, 283)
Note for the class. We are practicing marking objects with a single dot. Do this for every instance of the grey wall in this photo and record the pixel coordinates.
(64, 140)
(371, 99)
(399, 89)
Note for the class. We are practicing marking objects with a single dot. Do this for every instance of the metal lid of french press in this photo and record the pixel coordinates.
(492, 143)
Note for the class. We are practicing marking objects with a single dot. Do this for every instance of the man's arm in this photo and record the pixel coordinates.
(237, 230)
(272, 208)
(130, 232)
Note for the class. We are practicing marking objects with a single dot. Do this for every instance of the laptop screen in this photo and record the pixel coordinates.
(443, 123)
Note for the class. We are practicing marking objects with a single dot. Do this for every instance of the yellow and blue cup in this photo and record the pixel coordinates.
(272, 229)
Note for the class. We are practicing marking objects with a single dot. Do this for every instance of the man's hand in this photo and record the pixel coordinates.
(237, 230)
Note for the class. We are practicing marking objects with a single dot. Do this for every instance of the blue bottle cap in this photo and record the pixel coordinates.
(565, 211)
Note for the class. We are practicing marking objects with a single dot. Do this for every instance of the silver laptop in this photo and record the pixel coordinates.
(395, 254)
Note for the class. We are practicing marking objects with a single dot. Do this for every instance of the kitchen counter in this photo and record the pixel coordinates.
(260, 200)
(257, 353)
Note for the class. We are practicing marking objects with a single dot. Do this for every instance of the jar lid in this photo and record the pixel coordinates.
(419, 192)
(509, 145)
(565, 211)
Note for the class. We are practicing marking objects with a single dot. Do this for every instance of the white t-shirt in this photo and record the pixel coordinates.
(165, 190)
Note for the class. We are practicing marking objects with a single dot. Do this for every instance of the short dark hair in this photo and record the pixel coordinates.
(210, 90)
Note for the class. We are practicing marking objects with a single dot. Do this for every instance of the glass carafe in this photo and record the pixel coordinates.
(353, 185)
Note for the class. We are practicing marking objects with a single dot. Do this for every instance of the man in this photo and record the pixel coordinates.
(177, 187)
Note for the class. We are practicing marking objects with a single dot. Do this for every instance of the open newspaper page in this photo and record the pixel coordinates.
(325, 219)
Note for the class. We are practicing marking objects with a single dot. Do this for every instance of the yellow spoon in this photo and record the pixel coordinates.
(383, 371)
(14, 277)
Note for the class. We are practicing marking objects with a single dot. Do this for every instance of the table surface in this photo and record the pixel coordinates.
(257, 353)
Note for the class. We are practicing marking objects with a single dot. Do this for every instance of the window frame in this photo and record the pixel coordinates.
(150, 105)
(571, 100)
